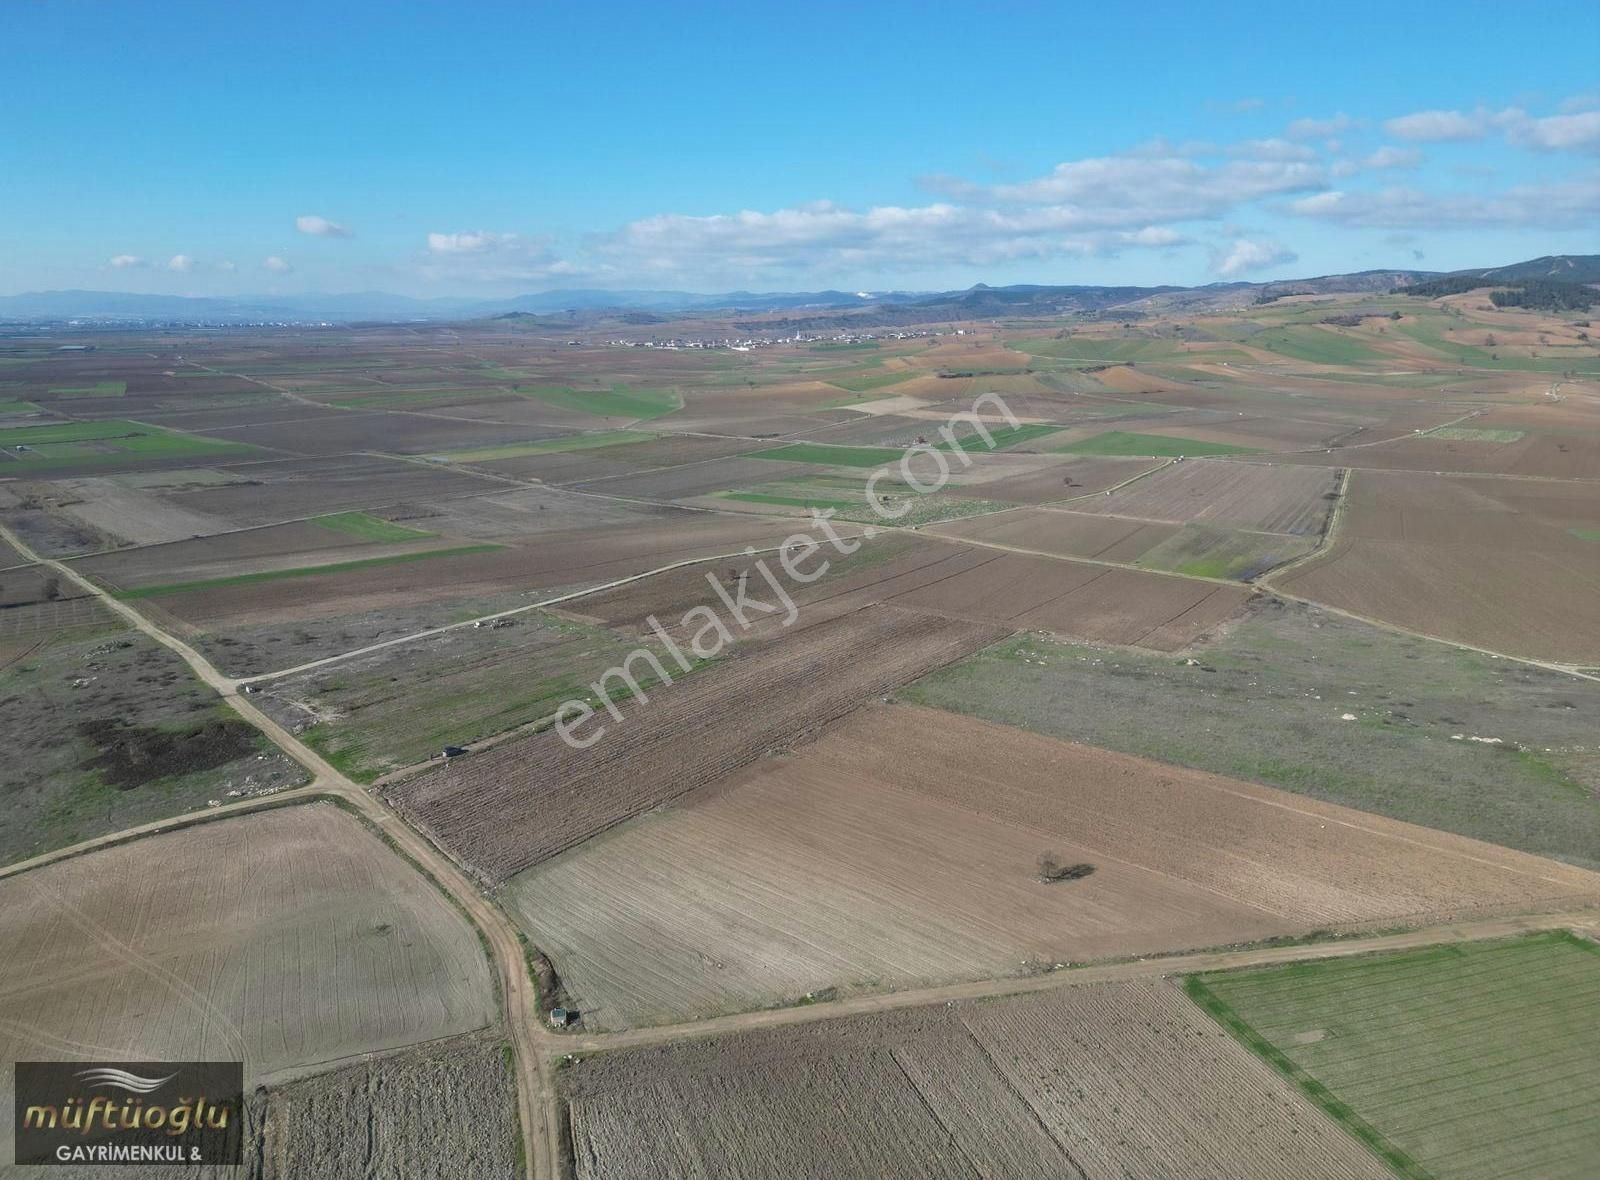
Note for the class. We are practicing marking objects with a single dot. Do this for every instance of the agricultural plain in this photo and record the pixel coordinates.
(1262, 622)
(902, 847)
(1464, 1061)
(174, 946)
(1088, 1082)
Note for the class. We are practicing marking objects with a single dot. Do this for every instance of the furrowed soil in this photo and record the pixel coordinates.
(1103, 1081)
(1496, 563)
(447, 1109)
(902, 849)
(1267, 703)
(530, 798)
(1234, 495)
(1463, 1062)
(174, 947)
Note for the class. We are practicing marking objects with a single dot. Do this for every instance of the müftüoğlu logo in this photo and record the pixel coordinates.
(129, 1112)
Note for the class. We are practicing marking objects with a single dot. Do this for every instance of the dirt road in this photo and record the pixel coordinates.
(537, 1105)
(1581, 921)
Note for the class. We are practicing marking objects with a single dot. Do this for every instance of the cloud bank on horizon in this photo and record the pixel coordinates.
(1158, 196)
(1155, 196)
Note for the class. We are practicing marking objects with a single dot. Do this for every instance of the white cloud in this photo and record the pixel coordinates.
(1572, 132)
(226, 267)
(180, 262)
(832, 239)
(1319, 128)
(320, 227)
(1115, 191)
(1244, 255)
(1571, 204)
(1439, 126)
(127, 261)
(276, 265)
(1153, 235)
(477, 242)
(1393, 157)
(488, 256)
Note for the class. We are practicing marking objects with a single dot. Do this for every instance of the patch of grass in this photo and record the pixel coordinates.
(1320, 345)
(368, 528)
(1204, 551)
(1341, 1112)
(860, 346)
(1418, 1052)
(620, 401)
(550, 446)
(460, 689)
(791, 501)
(1586, 534)
(16, 407)
(99, 389)
(865, 382)
(1430, 330)
(109, 442)
(830, 456)
(1468, 434)
(309, 571)
(1003, 437)
(1266, 704)
(1122, 442)
(1120, 349)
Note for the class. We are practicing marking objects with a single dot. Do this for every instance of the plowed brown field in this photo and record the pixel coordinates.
(900, 849)
(1235, 495)
(1126, 1081)
(1500, 564)
(524, 801)
(282, 939)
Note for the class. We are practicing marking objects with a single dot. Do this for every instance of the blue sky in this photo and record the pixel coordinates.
(432, 149)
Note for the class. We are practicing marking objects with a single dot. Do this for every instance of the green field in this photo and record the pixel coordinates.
(1203, 551)
(1471, 1061)
(873, 379)
(620, 401)
(1002, 437)
(550, 446)
(305, 571)
(1266, 704)
(1122, 442)
(16, 407)
(1320, 345)
(1430, 329)
(461, 688)
(368, 528)
(1468, 434)
(109, 442)
(1122, 349)
(98, 389)
(830, 456)
(792, 501)
(1586, 534)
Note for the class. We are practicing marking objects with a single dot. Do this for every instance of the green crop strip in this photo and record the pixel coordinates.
(1325, 1099)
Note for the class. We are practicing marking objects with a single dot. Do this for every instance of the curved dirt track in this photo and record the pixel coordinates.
(536, 1090)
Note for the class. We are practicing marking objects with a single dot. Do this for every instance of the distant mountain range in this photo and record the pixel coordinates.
(882, 307)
